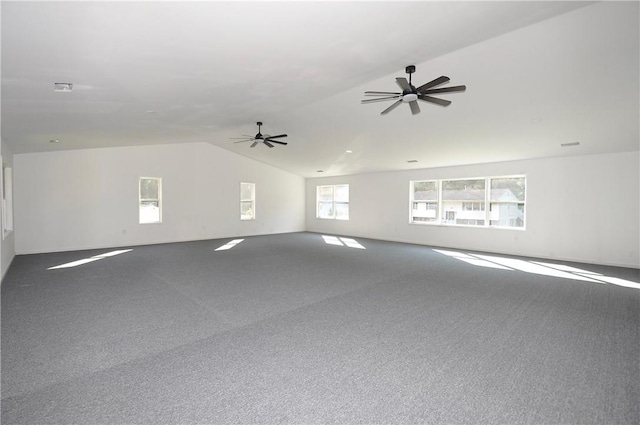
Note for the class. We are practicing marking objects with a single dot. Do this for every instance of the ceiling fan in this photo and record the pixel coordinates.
(266, 139)
(410, 94)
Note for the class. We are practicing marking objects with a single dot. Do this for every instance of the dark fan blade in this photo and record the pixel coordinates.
(380, 99)
(441, 102)
(380, 93)
(395, 105)
(445, 90)
(267, 143)
(275, 137)
(415, 109)
(276, 141)
(433, 83)
(242, 141)
(403, 83)
(253, 145)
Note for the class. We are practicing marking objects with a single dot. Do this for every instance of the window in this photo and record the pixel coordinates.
(247, 201)
(463, 202)
(150, 198)
(473, 206)
(507, 197)
(7, 200)
(333, 202)
(465, 199)
(424, 199)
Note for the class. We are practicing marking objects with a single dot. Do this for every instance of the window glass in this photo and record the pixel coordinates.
(7, 200)
(149, 201)
(463, 202)
(507, 195)
(424, 201)
(247, 201)
(333, 202)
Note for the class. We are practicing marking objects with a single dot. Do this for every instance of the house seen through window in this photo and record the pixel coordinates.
(463, 202)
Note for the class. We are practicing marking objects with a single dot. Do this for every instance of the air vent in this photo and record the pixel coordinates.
(62, 87)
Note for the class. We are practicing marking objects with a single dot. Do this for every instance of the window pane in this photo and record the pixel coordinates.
(508, 189)
(342, 211)
(463, 202)
(149, 211)
(325, 193)
(246, 210)
(246, 191)
(425, 205)
(507, 201)
(425, 191)
(342, 193)
(148, 189)
(463, 190)
(325, 209)
(508, 214)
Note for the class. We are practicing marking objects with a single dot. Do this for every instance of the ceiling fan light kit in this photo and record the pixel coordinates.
(410, 94)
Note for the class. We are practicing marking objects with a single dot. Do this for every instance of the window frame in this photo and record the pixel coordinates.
(516, 202)
(158, 200)
(7, 199)
(333, 202)
(484, 205)
(427, 202)
(251, 201)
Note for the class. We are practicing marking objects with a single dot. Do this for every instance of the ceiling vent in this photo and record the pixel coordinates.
(62, 87)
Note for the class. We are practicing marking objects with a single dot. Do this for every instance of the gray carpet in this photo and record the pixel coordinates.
(289, 329)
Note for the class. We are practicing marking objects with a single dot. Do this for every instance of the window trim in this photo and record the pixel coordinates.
(6, 180)
(442, 212)
(333, 202)
(158, 200)
(252, 201)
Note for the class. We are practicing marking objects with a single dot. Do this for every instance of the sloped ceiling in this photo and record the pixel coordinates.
(538, 75)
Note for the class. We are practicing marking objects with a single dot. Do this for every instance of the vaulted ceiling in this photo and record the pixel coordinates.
(538, 75)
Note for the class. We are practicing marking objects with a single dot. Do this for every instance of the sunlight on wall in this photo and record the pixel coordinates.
(229, 245)
(537, 267)
(334, 240)
(90, 259)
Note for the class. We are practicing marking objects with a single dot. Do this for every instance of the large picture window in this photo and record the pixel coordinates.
(247, 201)
(150, 207)
(463, 202)
(333, 202)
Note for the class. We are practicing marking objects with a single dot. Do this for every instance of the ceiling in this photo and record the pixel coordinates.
(538, 75)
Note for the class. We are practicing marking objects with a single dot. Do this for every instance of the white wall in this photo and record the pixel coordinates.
(83, 199)
(581, 208)
(7, 244)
